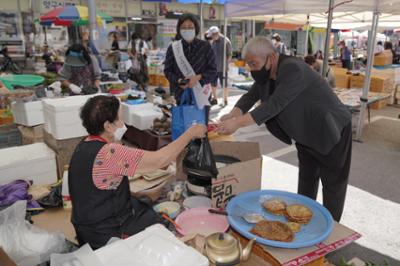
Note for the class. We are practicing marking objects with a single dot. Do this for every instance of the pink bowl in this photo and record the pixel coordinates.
(200, 221)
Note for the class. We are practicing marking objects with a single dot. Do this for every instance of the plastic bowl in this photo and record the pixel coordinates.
(169, 207)
(196, 202)
(21, 80)
(200, 221)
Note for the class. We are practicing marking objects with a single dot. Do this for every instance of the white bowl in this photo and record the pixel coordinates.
(196, 202)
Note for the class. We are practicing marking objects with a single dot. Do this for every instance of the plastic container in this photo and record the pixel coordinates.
(35, 162)
(21, 80)
(28, 114)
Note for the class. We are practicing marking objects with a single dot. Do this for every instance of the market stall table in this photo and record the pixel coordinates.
(351, 98)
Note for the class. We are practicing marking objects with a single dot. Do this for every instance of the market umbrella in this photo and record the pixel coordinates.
(71, 16)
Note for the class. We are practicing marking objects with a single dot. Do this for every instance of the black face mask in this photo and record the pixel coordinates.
(261, 76)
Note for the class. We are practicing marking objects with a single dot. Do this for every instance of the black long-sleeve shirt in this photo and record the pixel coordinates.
(200, 56)
(302, 106)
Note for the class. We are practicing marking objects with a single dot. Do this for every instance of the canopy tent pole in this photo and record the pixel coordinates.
(307, 32)
(224, 85)
(201, 20)
(92, 18)
(328, 37)
(45, 35)
(367, 81)
(253, 29)
(126, 21)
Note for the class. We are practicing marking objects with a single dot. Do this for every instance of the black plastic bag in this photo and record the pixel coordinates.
(54, 199)
(199, 160)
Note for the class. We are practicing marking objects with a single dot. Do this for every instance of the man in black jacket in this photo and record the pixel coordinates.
(298, 104)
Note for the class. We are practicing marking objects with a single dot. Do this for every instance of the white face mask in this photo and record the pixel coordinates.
(188, 35)
(119, 133)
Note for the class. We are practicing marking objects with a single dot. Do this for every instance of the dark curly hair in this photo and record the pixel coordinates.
(182, 19)
(310, 59)
(97, 110)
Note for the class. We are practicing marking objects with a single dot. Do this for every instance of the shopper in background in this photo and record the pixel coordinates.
(379, 48)
(217, 45)
(115, 42)
(317, 65)
(278, 44)
(298, 105)
(345, 55)
(389, 46)
(198, 53)
(98, 175)
(319, 55)
(81, 72)
(137, 45)
(137, 49)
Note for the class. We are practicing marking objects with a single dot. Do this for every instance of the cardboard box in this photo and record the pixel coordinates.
(339, 70)
(31, 135)
(63, 149)
(384, 58)
(342, 80)
(341, 236)
(233, 178)
(379, 83)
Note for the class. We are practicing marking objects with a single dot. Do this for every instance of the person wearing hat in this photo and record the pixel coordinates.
(279, 45)
(81, 72)
(218, 48)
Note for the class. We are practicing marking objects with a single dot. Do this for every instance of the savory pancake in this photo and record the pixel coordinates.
(275, 206)
(273, 230)
(298, 213)
(295, 227)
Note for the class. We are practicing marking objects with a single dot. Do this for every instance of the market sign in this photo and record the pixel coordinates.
(47, 5)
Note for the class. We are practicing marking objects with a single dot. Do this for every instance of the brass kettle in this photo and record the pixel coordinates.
(223, 249)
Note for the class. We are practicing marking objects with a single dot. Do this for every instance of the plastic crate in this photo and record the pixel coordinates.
(10, 136)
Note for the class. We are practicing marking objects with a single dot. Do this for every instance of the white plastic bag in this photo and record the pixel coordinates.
(26, 244)
(82, 257)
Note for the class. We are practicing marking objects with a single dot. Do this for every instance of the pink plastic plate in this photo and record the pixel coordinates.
(200, 221)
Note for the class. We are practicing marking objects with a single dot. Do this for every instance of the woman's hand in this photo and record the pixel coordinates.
(197, 131)
(193, 80)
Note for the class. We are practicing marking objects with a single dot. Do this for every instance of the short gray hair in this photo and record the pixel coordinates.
(260, 46)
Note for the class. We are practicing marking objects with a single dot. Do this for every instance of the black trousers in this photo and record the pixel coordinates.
(333, 170)
(98, 235)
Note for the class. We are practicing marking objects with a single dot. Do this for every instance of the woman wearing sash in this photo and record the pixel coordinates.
(195, 58)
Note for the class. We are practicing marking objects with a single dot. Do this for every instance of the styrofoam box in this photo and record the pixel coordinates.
(28, 114)
(128, 110)
(62, 119)
(144, 119)
(35, 162)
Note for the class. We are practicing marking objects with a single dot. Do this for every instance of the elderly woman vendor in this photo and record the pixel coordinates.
(81, 72)
(99, 170)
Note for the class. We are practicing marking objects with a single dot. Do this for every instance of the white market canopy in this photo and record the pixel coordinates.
(243, 8)
(356, 14)
(341, 20)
